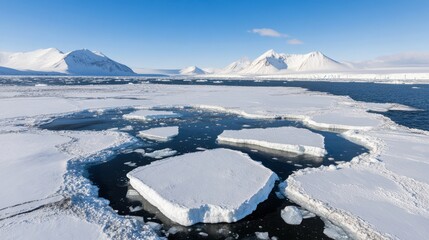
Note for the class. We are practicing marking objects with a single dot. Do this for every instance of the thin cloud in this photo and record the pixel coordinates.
(295, 41)
(268, 32)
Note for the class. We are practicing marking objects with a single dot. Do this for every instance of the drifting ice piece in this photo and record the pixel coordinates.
(210, 186)
(287, 139)
(147, 115)
(291, 215)
(161, 134)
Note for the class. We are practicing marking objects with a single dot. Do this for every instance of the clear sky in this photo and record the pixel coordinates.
(213, 33)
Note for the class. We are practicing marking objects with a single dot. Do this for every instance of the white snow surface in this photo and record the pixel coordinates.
(288, 139)
(161, 134)
(147, 115)
(49, 226)
(210, 186)
(388, 187)
(53, 61)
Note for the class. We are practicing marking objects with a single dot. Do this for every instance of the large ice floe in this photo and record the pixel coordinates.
(210, 186)
(286, 139)
(161, 134)
(380, 195)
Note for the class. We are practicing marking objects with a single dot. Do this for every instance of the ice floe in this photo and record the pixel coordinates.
(287, 139)
(147, 115)
(162, 153)
(211, 186)
(291, 215)
(161, 134)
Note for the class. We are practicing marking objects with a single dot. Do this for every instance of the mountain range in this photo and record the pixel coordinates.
(84, 62)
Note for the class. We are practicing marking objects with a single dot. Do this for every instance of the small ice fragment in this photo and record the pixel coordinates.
(131, 164)
(333, 231)
(262, 235)
(127, 128)
(140, 150)
(173, 230)
(297, 165)
(331, 159)
(158, 154)
(155, 226)
(203, 234)
(135, 209)
(291, 215)
(200, 149)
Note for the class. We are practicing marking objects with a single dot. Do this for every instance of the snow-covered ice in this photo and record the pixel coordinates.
(211, 186)
(287, 139)
(291, 215)
(161, 134)
(42, 224)
(162, 153)
(147, 115)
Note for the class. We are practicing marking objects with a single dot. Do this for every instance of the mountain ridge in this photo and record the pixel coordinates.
(52, 61)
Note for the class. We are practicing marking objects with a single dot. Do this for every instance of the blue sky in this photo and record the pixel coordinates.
(213, 33)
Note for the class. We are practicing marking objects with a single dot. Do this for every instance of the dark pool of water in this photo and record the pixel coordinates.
(199, 129)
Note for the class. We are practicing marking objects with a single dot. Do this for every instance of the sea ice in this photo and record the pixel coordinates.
(147, 115)
(262, 235)
(158, 154)
(161, 134)
(178, 186)
(291, 215)
(288, 139)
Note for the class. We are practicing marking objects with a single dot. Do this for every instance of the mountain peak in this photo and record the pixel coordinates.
(192, 70)
(53, 61)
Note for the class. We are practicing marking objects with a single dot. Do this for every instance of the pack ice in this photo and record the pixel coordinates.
(211, 186)
(287, 139)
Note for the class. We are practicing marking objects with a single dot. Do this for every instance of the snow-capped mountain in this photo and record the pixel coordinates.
(236, 66)
(192, 70)
(271, 62)
(53, 61)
